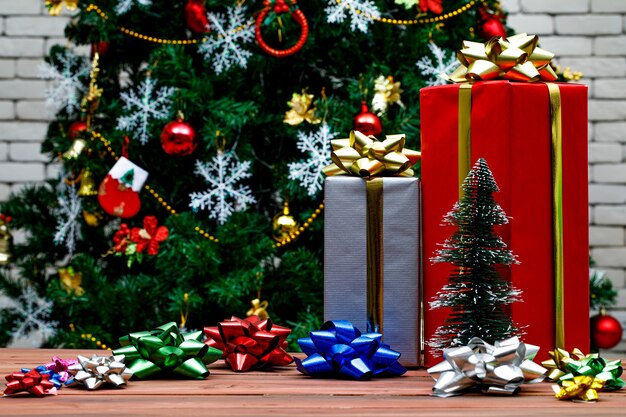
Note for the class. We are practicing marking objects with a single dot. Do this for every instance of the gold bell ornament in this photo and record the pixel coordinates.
(76, 149)
(6, 240)
(87, 184)
(283, 224)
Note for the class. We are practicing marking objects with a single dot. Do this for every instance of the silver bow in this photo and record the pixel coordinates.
(94, 372)
(494, 369)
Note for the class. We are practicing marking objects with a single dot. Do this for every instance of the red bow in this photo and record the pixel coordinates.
(31, 381)
(250, 344)
(150, 236)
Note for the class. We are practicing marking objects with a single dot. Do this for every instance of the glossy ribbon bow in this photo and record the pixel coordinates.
(32, 381)
(582, 387)
(95, 372)
(259, 309)
(495, 369)
(58, 370)
(516, 58)
(249, 344)
(565, 366)
(340, 350)
(165, 350)
(366, 156)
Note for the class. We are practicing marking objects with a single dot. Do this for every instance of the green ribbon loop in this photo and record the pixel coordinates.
(166, 350)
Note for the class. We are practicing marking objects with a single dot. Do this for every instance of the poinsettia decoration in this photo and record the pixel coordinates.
(150, 236)
(136, 241)
(433, 6)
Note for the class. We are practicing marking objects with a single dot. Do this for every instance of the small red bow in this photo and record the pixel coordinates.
(150, 236)
(32, 382)
(120, 239)
(250, 344)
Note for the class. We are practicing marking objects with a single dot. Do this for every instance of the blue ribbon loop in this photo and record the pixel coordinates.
(340, 350)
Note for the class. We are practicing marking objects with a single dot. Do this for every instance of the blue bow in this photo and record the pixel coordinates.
(55, 378)
(340, 350)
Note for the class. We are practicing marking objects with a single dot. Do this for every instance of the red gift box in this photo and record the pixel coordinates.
(511, 129)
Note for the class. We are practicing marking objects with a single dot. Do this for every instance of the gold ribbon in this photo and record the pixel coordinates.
(366, 156)
(258, 309)
(374, 259)
(516, 58)
(557, 212)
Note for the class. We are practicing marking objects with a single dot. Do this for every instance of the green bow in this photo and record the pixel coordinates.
(595, 366)
(165, 349)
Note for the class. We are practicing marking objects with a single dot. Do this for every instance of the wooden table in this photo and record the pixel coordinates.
(283, 392)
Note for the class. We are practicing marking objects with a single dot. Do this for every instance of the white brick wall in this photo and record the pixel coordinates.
(587, 35)
(26, 32)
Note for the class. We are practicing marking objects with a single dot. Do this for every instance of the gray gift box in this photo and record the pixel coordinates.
(346, 266)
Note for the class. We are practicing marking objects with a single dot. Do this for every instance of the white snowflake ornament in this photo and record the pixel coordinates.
(124, 6)
(68, 214)
(144, 106)
(67, 88)
(225, 195)
(361, 12)
(224, 49)
(33, 313)
(317, 146)
(444, 62)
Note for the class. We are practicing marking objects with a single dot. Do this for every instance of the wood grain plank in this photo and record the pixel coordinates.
(283, 392)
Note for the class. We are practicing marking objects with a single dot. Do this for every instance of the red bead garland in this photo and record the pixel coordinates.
(297, 15)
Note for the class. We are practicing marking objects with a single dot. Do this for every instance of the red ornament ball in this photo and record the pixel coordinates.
(76, 129)
(606, 331)
(490, 24)
(101, 48)
(178, 138)
(367, 122)
(195, 17)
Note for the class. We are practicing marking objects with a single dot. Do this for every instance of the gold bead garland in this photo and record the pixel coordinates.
(420, 21)
(423, 20)
(289, 239)
(167, 206)
(132, 33)
(301, 229)
(90, 337)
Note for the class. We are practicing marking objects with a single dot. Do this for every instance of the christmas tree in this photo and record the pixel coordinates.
(229, 107)
(476, 293)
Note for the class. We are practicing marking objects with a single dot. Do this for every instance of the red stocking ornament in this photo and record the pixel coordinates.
(119, 192)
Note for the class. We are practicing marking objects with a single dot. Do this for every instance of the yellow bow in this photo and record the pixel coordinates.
(71, 281)
(516, 58)
(258, 309)
(560, 358)
(366, 156)
(581, 387)
(55, 6)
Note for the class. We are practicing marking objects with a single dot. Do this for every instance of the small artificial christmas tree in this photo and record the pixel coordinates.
(476, 292)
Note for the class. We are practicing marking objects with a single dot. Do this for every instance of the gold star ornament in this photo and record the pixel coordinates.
(301, 109)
